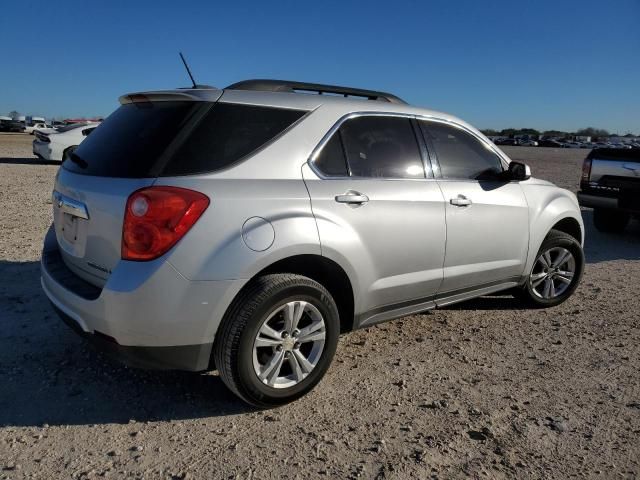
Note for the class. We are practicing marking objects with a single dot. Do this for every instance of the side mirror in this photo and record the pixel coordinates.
(519, 171)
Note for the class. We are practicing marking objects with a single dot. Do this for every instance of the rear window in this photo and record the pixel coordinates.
(228, 133)
(132, 140)
(129, 142)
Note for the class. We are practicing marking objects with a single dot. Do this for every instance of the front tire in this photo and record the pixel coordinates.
(610, 221)
(277, 339)
(556, 272)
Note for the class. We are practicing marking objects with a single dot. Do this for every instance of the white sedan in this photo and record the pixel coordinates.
(58, 144)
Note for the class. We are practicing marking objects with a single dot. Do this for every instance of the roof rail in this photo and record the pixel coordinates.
(303, 87)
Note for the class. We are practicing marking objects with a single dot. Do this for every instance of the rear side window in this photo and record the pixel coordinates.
(132, 140)
(382, 147)
(128, 143)
(228, 133)
(460, 154)
(375, 147)
(331, 160)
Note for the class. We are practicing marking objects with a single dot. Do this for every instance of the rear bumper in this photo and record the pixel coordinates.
(147, 313)
(42, 149)
(181, 357)
(597, 201)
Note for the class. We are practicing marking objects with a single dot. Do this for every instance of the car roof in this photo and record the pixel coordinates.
(339, 105)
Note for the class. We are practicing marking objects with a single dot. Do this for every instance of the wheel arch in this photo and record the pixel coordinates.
(570, 226)
(553, 210)
(326, 272)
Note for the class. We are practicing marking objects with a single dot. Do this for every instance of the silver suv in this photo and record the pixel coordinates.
(244, 229)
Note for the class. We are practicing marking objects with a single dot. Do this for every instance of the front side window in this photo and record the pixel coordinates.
(460, 154)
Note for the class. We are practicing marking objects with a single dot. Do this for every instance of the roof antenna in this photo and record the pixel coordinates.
(188, 70)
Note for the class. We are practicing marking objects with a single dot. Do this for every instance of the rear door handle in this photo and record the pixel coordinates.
(352, 197)
(460, 201)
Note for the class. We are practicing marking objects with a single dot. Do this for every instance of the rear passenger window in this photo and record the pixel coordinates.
(228, 133)
(382, 147)
(460, 154)
(331, 160)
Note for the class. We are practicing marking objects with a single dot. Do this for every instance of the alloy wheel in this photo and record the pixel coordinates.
(289, 344)
(552, 273)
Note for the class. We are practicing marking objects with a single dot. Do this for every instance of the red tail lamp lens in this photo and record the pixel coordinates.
(586, 172)
(156, 218)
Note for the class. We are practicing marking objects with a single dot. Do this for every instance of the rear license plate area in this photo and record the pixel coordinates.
(69, 228)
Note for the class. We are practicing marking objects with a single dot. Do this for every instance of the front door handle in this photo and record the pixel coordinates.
(352, 197)
(460, 201)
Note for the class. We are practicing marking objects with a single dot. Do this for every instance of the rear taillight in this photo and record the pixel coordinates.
(586, 172)
(156, 218)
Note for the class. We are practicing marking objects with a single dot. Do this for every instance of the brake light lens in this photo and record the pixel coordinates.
(586, 172)
(156, 218)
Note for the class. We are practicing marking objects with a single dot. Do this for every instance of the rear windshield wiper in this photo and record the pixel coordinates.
(77, 160)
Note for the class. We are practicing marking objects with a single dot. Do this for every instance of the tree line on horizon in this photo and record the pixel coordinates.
(586, 132)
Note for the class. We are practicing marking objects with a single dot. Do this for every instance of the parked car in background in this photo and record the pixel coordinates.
(528, 143)
(506, 141)
(9, 125)
(550, 143)
(245, 228)
(58, 144)
(610, 184)
(30, 129)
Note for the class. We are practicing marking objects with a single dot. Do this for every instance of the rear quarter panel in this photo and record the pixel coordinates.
(214, 249)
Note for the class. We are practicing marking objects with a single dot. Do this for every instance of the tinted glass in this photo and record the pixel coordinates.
(460, 154)
(331, 161)
(129, 142)
(382, 147)
(228, 133)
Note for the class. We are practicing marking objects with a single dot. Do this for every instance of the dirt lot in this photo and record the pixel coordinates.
(485, 389)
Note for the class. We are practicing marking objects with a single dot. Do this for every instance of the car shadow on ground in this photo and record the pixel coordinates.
(27, 161)
(604, 247)
(51, 376)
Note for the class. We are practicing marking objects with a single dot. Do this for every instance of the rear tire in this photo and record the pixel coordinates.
(246, 344)
(610, 221)
(556, 272)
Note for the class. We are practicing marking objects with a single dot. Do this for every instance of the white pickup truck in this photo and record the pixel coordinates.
(610, 184)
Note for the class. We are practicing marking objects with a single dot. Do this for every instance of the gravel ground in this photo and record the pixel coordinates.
(483, 389)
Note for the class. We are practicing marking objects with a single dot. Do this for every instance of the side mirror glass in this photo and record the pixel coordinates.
(519, 171)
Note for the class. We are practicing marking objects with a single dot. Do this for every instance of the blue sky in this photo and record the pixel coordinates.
(560, 64)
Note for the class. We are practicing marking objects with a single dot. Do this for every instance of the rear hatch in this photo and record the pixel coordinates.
(121, 156)
(153, 134)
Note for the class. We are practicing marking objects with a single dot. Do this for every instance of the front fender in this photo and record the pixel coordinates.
(547, 206)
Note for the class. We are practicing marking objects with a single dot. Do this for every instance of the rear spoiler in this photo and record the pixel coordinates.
(187, 94)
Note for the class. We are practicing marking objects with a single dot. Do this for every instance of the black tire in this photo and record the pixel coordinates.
(233, 347)
(610, 221)
(68, 151)
(555, 238)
